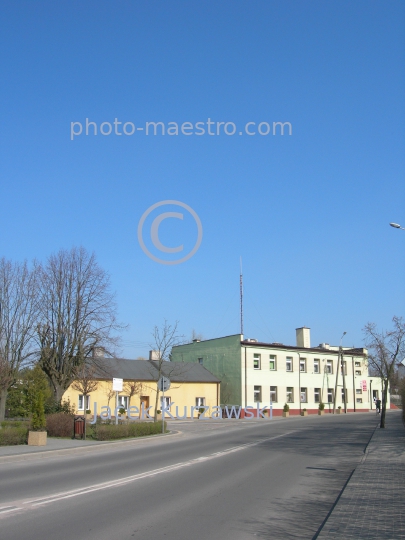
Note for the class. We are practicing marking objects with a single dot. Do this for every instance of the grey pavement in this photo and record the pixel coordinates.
(371, 505)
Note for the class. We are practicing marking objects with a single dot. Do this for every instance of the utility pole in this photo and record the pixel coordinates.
(337, 372)
(344, 379)
(241, 297)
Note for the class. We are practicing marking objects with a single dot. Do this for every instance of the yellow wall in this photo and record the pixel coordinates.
(181, 394)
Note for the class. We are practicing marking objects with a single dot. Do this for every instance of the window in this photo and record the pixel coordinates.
(273, 394)
(317, 395)
(290, 394)
(316, 366)
(165, 402)
(273, 362)
(256, 361)
(358, 372)
(200, 361)
(358, 391)
(289, 364)
(330, 395)
(200, 401)
(123, 402)
(303, 395)
(343, 396)
(81, 402)
(257, 394)
(343, 367)
(329, 366)
(359, 400)
(357, 364)
(303, 365)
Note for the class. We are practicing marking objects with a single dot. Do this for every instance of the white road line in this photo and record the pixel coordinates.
(24, 505)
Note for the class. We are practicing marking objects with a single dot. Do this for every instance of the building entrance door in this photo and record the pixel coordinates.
(145, 402)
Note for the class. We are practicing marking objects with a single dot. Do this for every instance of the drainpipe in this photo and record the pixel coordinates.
(344, 383)
(299, 380)
(354, 388)
(245, 379)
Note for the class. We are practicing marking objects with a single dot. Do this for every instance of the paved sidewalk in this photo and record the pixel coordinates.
(371, 506)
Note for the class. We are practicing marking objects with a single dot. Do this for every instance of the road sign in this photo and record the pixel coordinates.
(117, 385)
(163, 384)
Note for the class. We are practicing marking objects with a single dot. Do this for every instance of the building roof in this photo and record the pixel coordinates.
(347, 352)
(147, 370)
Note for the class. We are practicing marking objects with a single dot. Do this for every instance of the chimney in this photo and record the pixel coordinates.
(303, 337)
(153, 355)
(98, 352)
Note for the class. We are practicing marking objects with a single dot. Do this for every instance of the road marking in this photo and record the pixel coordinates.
(25, 505)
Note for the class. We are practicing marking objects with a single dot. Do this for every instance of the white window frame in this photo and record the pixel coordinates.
(273, 358)
(290, 394)
(289, 361)
(329, 367)
(168, 400)
(330, 393)
(200, 401)
(81, 408)
(257, 392)
(303, 365)
(257, 358)
(317, 366)
(273, 394)
(123, 402)
(317, 395)
(304, 395)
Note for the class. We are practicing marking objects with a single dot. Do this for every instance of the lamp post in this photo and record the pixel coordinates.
(299, 380)
(339, 363)
(397, 226)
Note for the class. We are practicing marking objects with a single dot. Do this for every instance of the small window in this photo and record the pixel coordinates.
(329, 366)
(316, 366)
(357, 364)
(81, 402)
(343, 396)
(343, 367)
(256, 361)
(273, 394)
(289, 364)
(358, 391)
(257, 394)
(330, 395)
(359, 400)
(166, 402)
(358, 372)
(303, 395)
(273, 362)
(303, 365)
(290, 394)
(200, 401)
(317, 395)
(123, 402)
(200, 361)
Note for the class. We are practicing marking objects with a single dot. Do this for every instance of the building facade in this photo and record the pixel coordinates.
(192, 385)
(252, 372)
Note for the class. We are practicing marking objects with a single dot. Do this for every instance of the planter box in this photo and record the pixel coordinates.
(320, 413)
(338, 411)
(286, 414)
(37, 438)
(304, 413)
(159, 417)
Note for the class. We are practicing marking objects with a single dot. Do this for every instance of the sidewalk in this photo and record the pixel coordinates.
(371, 505)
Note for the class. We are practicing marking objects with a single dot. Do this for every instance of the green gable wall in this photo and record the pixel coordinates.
(222, 357)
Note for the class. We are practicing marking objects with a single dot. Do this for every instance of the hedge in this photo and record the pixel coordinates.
(109, 432)
(13, 435)
(59, 425)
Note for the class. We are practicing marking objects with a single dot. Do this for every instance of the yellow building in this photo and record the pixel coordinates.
(192, 387)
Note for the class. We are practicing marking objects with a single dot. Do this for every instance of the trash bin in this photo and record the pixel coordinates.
(79, 427)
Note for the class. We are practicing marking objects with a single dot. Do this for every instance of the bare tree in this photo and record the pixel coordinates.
(131, 388)
(85, 382)
(18, 312)
(386, 348)
(78, 315)
(110, 393)
(164, 339)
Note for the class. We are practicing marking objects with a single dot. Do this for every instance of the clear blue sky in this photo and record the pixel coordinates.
(308, 213)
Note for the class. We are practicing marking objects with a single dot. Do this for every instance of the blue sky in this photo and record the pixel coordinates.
(308, 213)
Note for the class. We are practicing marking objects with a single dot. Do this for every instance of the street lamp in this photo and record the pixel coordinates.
(397, 226)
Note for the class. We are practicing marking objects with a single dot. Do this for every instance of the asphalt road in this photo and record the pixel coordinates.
(228, 480)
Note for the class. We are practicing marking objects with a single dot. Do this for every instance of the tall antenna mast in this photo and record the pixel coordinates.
(241, 297)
